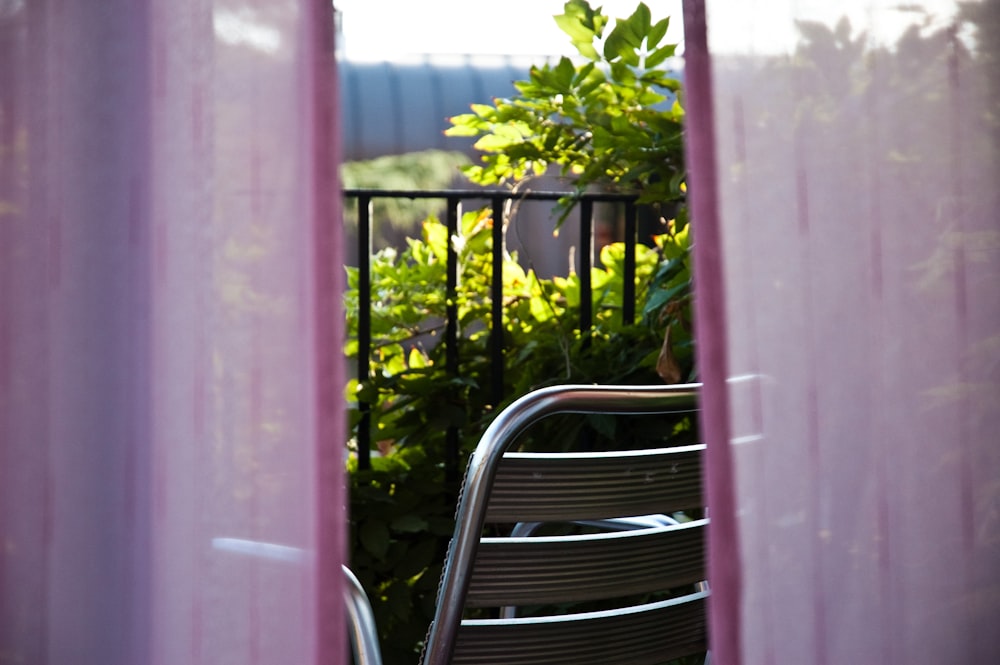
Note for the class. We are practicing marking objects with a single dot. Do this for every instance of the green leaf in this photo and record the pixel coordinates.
(657, 32)
(492, 143)
(417, 359)
(591, 20)
(640, 22)
(615, 45)
(677, 290)
(564, 73)
(436, 237)
(582, 73)
(408, 523)
(658, 56)
(633, 29)
(624, 75)
(375, 538)
(460, 128)
(482, 110)
(677, 111)
(574, 28)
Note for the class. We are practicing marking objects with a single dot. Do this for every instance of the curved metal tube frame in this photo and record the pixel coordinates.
(361, 621)
(510, 423)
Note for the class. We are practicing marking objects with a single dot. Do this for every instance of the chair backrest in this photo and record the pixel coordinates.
(508, 487)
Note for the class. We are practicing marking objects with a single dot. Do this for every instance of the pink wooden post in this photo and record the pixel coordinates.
(169, 364)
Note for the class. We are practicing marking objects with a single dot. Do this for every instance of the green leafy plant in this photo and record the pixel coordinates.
(401, 519)
(613, 121)
(402, 508)
(416, 400)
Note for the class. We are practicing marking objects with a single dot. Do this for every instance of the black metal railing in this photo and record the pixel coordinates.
(497, 199)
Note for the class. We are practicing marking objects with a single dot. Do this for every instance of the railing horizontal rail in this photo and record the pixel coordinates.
(485, 194)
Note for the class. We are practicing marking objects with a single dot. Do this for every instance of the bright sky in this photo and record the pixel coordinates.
(397, 29)
(403, 29)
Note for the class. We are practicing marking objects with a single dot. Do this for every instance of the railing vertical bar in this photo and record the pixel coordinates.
(451, 330)
(496, 295)
(628, 291)
(364, 324)
(586, 253)
(498, 200)
(587, 434)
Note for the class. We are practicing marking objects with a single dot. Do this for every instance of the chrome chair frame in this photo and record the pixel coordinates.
(482, 471)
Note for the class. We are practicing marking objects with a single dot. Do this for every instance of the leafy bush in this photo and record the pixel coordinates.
(612, 122)
(415, 400)
(402, 508)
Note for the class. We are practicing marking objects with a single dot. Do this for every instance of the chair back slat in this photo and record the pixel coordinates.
(544, 487)
(543, 570)
(643, 635)
(620, 571)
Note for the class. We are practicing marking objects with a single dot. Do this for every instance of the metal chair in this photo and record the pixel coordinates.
(507, 488)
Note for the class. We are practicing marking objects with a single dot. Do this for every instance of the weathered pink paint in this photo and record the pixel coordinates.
(169, 305)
